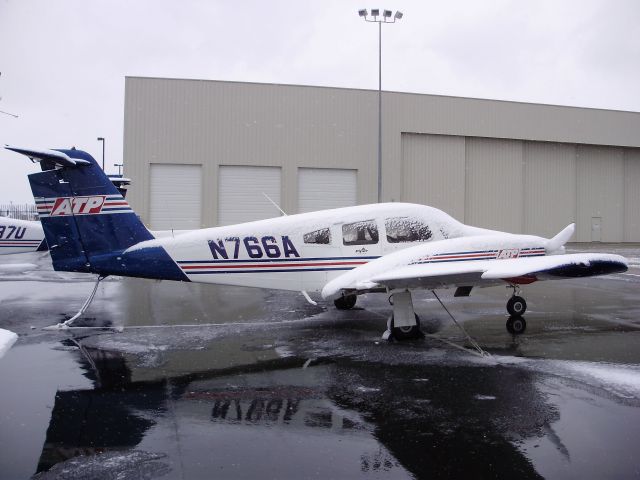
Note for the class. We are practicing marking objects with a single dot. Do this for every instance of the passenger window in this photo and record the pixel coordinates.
(322, 237)
(404, 229)
(360, 233)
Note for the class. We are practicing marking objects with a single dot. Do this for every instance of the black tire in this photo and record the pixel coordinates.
(345, 303)
(406, 333)
(516, 325)
(516, 306)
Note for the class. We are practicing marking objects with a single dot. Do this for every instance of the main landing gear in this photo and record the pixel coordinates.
(403, 324)
(516, 306)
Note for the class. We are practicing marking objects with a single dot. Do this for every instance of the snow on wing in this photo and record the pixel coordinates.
(490, 272)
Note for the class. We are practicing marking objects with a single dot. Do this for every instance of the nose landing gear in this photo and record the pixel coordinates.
(516, 306)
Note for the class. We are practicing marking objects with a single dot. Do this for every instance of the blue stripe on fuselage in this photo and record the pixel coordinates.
(277, 260)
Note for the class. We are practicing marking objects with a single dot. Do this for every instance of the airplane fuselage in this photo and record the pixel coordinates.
(308, 251)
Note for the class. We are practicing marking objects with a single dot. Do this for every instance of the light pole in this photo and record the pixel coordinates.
(386, 18)
(101, 139)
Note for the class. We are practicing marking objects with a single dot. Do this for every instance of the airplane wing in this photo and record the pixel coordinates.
(491, 272)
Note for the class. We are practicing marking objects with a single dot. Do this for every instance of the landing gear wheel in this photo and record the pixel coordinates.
(406, 333)
(516, 325)
(516, 306)
(345, 303)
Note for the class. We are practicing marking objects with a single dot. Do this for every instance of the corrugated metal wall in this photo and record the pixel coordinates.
(632, 195)
(549, 188)
(600, 193)
(433, 172)
(218, 123)
(525, 186)
(504, 165)
(494, 184)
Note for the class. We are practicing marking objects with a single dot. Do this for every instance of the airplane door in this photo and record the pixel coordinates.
(596, 229)
(321, 248)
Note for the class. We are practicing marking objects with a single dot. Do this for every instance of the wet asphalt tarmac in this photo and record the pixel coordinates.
(191, 381)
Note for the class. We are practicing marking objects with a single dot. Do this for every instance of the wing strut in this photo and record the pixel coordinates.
(473, 343)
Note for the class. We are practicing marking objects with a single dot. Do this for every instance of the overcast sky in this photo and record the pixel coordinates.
(63, 62)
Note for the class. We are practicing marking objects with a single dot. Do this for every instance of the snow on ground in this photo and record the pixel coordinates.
(7, 339)
(622, 380)
(18, 267)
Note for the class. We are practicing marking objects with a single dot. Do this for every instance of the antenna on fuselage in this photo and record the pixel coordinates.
(275, 204)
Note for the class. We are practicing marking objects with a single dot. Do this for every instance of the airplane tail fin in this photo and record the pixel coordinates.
(87, 222)
(556, 243)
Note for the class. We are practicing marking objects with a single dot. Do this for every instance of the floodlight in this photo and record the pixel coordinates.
(398, 15)
(387, 13)
(363, 12)
(375, 12)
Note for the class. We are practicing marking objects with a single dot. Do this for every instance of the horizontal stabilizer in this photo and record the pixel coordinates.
(55, 156)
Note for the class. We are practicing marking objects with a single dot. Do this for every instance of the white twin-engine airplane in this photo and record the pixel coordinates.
(390, 247)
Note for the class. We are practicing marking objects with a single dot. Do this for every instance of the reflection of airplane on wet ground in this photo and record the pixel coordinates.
(357, 414)
(341, 253)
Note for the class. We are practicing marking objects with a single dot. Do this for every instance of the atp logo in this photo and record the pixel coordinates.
(508, 253)
(77, 206)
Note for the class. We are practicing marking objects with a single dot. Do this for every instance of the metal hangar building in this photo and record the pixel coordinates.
(203, 153)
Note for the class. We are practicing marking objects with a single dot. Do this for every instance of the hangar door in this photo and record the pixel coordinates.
(241, 192)
(323, 188)
(433, 171)
(175, 197)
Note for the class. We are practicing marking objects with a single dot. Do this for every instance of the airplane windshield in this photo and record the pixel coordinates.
(360, 233)
(405, 229)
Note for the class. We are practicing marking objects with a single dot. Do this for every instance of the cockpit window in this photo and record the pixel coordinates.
(360, 233)
(322, 237)
(405, 229)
